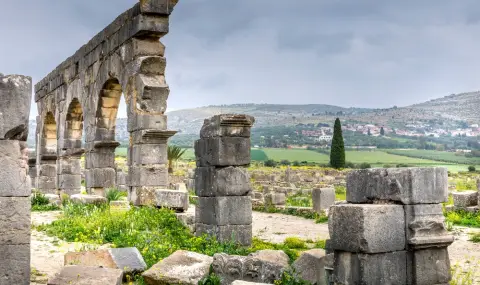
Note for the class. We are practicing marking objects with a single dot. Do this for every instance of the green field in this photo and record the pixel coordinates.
(449, 157)
(377, 158)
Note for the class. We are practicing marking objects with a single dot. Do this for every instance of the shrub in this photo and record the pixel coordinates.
(39, 199)
(296, 163)
(402, 165)
(285, 162)
(295, 243)
(114, 194)
(471, 168)
(349, 164)
(270, 163)
(364, 165)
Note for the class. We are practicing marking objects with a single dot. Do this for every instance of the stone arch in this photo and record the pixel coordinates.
(107, 109)
(47, 169)
(50, 134)
(74, 122)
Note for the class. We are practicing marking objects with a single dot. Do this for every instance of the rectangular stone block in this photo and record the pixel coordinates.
(172, 199)
(153, 175)
(15, 100)
(227, 125)
(88, 275)
(15, 220)
(425, 226)
(223, 151)
(275, 198)
(69, 181)
(405, 185)
(142, 154)
(322, 199)
(100, 177)
(139, 122)
(160, 7)
(149, 25)
(217, 182)
(142, 47)
(241, 234)
(382, 268)
(48, 170)
(152, 136)
(152, 89)
(234, 210)
(15, 265)
(142, 196)
(46, 184)
(14, 178)
(465, 199)
(69, 166)
(100, 158)
(367, 228)
(121, 178)
(429, 266)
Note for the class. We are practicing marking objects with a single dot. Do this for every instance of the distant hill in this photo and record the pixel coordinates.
(446, 111)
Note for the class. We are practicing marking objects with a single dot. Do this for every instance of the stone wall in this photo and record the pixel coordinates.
(391, 230)
(81, 98)
(222, 183)
(15, 183)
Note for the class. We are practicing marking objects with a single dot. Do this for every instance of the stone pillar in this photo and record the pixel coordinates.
(100, 171)
(69, 174)
(224, 208)
(32, 168)
(15, 184)
(401, 237)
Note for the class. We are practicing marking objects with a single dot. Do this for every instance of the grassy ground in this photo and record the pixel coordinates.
(449, 157)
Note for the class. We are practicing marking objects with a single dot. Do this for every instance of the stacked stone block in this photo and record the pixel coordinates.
(15, 183)
(224, 207)
(391, 231)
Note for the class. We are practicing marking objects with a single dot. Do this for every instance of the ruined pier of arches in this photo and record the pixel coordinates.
(78, 103)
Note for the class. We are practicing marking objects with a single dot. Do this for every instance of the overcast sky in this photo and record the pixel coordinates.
(366, 53)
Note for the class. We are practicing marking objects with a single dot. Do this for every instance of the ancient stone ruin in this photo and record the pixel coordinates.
(222, 183)
(392, 230)
(83, 93)
(15, 183)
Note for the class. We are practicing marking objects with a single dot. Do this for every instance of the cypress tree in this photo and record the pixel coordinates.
(382, 131)
(337, 151)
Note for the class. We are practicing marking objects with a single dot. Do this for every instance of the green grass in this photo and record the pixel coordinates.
(258, 155)
(449, 157)
(462, 218)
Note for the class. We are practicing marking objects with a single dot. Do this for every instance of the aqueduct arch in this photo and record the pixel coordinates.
(84, 91)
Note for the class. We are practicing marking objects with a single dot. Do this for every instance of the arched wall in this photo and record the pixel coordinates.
(127, 56)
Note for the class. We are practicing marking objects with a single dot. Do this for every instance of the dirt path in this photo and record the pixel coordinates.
(47, 253)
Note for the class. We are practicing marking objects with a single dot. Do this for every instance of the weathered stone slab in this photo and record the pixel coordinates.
(429, 266)
(405, 185)
(173, 199)
(153, 175)
(367, 228)
(129, 260)
(227, 181)
(310, 266)
(160, 7)
(149, 154)
(100, 158)
(100, 177)
(425, 226)
(85, 275)
(88, 199)
(69, 166)
(264, 266)
(227, 125)
(275, 198)
(223, 151)
(15, 100)
(465, 199)
(382, 268)
(182, 267)
(323, 198)
(15, 265)
(235, 210)
(241, 234)
(47, 170)
(69, 181)
(14, 179)
(15, 220)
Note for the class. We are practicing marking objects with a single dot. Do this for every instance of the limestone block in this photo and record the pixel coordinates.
(15, 100)
(46, 184)
(15, 265)
(138, 122)
(310, 266)
(14, 179)
(142, 47)
(48, 170)
(152, 90)
(429, 266)
(142, 196)
(405, 185)
(69, 144)
(121, 178)
(100, 158)
(275, 198)
(149, 25)
(382, 268)
(235, 210)
(223, 151)
(241, 234)
(151, 136)
(149, 154)
(425, 226)
(161, 7)
(258, 196)
(69, 166)
(227, 125)
(15, 220)
(187, 219)
(465, 199)
(181, 187)
(88, 199)
(153, 175)
(100, 177)
(173, 199)
(87, 275)
(228, 181)
(182, 267)
(129, 260)
(367, 228)
(69, 181)
(323, 198)
(263, 266)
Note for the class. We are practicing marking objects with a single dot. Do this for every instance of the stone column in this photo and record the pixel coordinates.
(69, 174)
(401, 237)
(224, 208)
(32, 168)
(15, 184)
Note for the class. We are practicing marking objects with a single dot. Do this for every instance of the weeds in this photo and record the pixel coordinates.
(40, 203)
(114, 194)
(463, 218)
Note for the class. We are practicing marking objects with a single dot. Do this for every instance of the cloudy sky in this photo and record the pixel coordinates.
(366, 53)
